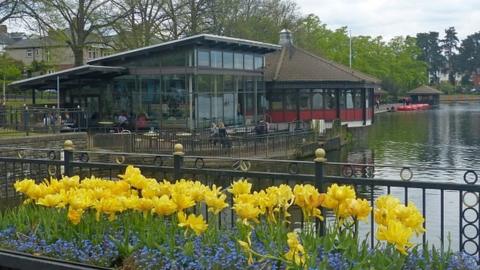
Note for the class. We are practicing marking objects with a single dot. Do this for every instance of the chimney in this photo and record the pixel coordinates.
(3, 29)
(286, 38)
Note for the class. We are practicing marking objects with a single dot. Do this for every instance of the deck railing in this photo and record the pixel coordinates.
(450, 205)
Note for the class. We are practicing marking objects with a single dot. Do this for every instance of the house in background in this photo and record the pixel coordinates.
(53, 52)
(7, 38)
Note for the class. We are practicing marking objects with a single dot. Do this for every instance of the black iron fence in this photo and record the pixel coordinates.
(27, 121)
(238, 143)
(451, 208)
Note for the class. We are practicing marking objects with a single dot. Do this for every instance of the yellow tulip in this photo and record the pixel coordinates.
(75, 215)
(359, 208)
(24, 185)
(164, 206)
(309, 199)
(182, 201)
(215, 203)
(397, 234)
(240, 187)
(53, 200)
(246, 212)
(195, 223)
(247, 248)
(296, 252)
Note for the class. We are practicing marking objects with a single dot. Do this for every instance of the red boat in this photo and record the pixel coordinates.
(413, 107)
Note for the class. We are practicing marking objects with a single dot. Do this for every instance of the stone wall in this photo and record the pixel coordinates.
(50, 141)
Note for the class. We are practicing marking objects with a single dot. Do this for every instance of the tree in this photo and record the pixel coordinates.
(77, 22)
(142, 24)
(449, 47)
(431, 54)
(469, 55)
(8, 8)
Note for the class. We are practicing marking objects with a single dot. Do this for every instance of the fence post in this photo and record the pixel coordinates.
(319, 181)
(26, 120)
(68, 157)
(177, 161)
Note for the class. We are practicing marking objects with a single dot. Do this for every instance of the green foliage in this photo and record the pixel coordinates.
(394, 62)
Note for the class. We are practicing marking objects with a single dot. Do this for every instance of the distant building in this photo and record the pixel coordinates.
(195, 81)
(52, 51)
(302, 86)
(7, 38)
(425, 94)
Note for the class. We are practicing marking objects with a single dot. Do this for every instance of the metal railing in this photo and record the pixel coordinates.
(27, 121)
(451, 208)
(243, 143)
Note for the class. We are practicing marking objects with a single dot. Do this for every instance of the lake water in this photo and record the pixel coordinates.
(439, 144)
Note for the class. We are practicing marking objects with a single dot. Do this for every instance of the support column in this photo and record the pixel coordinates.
(364, 105)
(33, 97)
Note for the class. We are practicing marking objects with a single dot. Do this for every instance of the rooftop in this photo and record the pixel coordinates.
(49, 81)
(295, 64)
(424, 90)
(201, 39)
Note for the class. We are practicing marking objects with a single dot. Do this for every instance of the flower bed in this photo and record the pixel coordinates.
(139, 223)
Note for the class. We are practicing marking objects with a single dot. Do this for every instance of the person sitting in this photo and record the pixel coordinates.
(261, 128)
(214, 134)
(141, 123)
(222, 134)
(123, 120)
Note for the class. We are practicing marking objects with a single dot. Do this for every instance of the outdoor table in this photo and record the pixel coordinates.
(106, 124)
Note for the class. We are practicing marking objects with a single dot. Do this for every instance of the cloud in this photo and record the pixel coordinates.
(396, 17)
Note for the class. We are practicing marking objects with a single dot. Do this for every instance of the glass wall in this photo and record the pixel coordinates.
(229, 99)
(230, 60)
(174, 58)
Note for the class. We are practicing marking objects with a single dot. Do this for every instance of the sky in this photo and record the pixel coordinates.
(390, 18)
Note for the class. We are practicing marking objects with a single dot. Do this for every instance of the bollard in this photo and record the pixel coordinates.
(68, 148)
(177, 161)
(319, 182)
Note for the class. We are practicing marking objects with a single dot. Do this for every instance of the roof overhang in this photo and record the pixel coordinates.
(86, 72)
(198, 40)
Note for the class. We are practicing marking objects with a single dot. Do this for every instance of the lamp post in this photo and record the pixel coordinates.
(4, 98)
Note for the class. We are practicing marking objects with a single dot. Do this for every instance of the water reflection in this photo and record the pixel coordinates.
(439, 145)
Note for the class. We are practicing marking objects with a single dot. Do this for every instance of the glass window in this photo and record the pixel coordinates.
(358, 98)
(248, 62)
(216, 59)
(229, 107)
(203, 58)
(175, 98)
(330, 99)
(204, 84)
(228, 60)
(204, 104)
(317, 99)
(29, 52)
(238, 58)
(305, 99)
(349, 97)
(290, 101)
(276, 102)
(341, 99)
(368, 97)
(258, 62)
(150, 91)
(174, 59)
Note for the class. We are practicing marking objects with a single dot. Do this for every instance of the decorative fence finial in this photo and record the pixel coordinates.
(178, 149)
(320, 155)
(68, 145)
